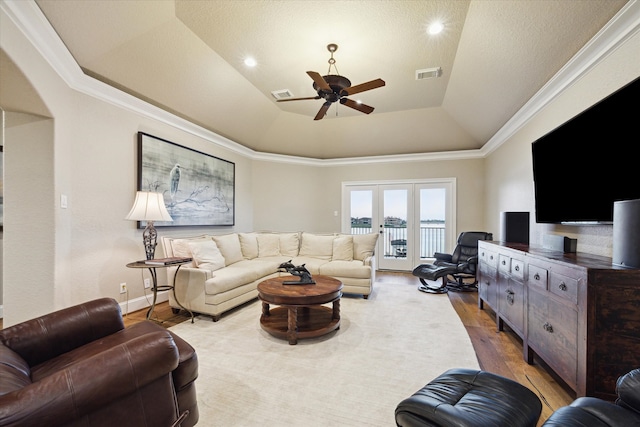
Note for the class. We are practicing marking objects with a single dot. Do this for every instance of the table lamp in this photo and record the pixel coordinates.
(149, 207)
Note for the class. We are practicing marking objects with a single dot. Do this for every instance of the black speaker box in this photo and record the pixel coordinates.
(626, 233)
(514, 227)
(559, 243)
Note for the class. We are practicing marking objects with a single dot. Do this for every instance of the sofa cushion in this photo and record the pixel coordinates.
(312, 264)
(238, 274)
(343, 248)
(317, 246)
(268, 245)
(364, 245)
(206, 254)
(249, 245)
(229, 245)
(354, 269)
(289, 244)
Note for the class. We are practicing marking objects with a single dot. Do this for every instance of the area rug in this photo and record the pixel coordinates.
(387, 348)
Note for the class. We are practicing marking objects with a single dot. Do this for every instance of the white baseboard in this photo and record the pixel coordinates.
(130, 305)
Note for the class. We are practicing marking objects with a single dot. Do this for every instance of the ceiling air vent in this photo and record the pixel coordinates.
(428, 73)
(282, 94)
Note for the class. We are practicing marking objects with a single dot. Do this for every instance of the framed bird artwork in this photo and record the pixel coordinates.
(198, 188)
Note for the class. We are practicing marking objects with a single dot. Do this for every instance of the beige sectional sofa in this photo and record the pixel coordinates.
(226, 269)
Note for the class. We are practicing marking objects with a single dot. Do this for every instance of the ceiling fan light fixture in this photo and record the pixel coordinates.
(428, 73)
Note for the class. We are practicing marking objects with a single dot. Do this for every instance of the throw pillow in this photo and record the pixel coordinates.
(206, 255)
(180, 248)
(249, 245)
(289, 244)
(317, 246)
(268, 245)
(229, 245)
(364, 245)
(343, 248)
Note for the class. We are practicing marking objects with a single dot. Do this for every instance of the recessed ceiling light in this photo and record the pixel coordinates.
(250, 62)
(435, 28)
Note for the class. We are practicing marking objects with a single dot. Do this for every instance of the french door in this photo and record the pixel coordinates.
(414, 219)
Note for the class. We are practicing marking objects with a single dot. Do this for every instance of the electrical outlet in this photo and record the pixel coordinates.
(123, 288)
(147, 283)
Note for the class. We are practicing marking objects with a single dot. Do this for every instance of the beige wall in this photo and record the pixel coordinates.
(306, 197)
(509, 175)
(56, 257)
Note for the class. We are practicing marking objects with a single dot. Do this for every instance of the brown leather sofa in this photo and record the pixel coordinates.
(81, 367)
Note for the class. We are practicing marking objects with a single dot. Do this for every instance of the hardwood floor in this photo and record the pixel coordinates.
(498, 352)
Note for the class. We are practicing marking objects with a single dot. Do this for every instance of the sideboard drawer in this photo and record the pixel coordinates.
(563, 286)
(517, 269)
(504, 263)
(537, 277)
(488, 257)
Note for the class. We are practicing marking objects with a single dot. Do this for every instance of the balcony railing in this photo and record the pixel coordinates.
(395, 240)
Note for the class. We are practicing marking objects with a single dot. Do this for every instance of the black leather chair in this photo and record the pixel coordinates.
(455, 269)
(593, 412)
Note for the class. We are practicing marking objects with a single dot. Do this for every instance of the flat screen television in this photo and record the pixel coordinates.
(583, 166)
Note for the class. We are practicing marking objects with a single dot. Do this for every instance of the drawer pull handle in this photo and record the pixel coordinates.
(516, 268)
(536, 276)
(510, 296)
(491, 257)
(504, 262)
(562, 286)
(547, 327)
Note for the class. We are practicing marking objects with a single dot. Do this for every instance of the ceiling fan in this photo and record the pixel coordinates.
(335, 88)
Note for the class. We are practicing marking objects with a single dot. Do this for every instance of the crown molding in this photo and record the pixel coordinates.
(30, 20)
(624, 25)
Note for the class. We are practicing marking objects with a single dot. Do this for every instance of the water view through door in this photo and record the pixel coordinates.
(413, 220)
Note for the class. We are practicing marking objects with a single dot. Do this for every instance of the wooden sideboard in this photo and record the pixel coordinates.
(577, 312)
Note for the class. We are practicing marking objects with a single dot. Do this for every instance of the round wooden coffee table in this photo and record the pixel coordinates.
(300, 313)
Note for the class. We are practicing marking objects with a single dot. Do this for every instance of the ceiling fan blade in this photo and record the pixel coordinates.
(357, 106)
(373, 84)
(322, 111)
(319, 81)
(298, 99)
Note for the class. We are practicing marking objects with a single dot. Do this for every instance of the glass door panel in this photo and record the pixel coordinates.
(432, 236)
(361, 211)
(395, 240)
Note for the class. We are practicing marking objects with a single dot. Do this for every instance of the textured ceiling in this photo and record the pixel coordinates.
(186, 56)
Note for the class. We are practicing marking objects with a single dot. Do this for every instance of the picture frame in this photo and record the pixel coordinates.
(198, 188)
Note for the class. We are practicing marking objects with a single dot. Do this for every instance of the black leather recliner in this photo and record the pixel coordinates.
(594, 412)
(454, 268)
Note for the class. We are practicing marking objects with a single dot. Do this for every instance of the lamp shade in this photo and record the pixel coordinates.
(149, 206)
